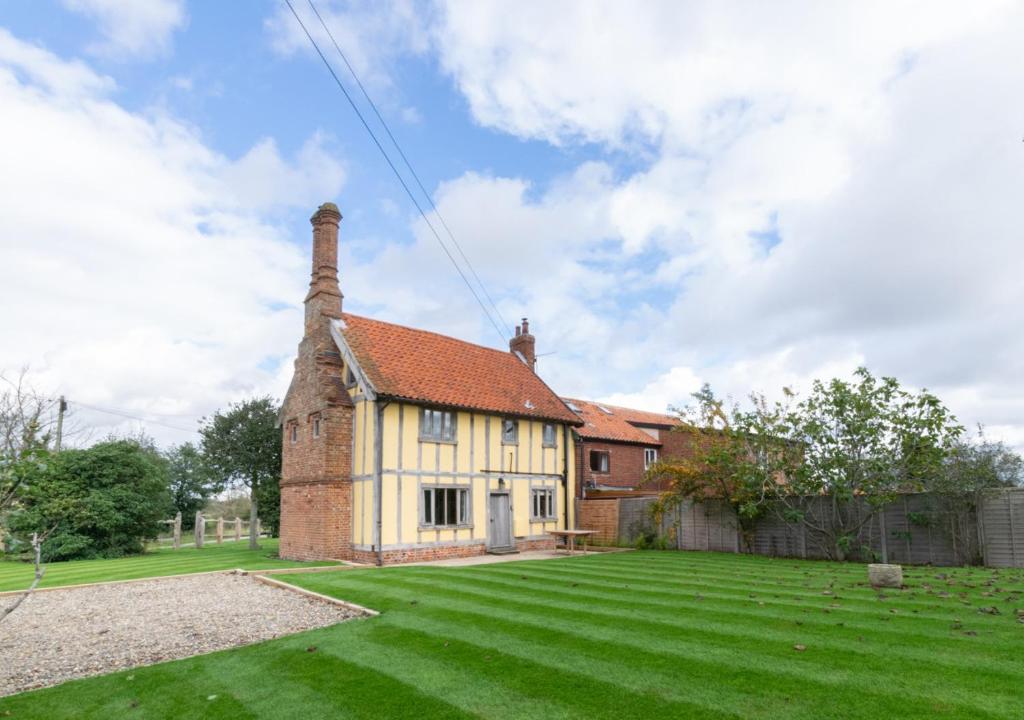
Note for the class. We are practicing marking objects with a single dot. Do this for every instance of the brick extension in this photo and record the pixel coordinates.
(316, 473)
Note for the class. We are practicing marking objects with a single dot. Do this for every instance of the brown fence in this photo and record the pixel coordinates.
(917, 529)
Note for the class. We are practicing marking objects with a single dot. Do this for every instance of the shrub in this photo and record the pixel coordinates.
(104, 501)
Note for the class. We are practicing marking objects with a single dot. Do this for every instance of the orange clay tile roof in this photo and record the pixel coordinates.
(616, 425)
(420, 366)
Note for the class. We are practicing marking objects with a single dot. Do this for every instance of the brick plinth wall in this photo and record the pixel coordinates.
(443, 552)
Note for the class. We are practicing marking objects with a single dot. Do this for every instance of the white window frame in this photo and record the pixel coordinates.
(607, 461)
(438, 426)
(514, 424)
(458, 494)
(542, 504)
(553, 442)
(650, 457)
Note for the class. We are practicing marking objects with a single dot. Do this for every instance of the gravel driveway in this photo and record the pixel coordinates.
(63, 634)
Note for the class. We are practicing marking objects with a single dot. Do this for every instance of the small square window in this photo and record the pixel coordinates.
(650, 457)
(444, 507)
(549, 435)
(599, 461)
(509, 431)
(542, 504)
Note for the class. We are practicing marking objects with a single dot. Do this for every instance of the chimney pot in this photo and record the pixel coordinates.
(524, 344)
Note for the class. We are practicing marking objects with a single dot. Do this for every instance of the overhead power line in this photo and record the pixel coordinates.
(124, 414)
(411, 169)
(394, 169)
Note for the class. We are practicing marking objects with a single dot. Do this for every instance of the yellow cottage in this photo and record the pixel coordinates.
(402, 445)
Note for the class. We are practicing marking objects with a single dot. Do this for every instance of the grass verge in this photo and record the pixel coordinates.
(155, 563)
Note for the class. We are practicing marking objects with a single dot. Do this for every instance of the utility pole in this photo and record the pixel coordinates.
(62, 405)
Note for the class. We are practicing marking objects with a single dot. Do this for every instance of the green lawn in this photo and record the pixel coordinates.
(164, 561)
(618, 635)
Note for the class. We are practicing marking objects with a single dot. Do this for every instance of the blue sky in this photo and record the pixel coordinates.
(674, 193)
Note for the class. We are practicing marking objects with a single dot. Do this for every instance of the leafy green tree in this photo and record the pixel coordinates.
(104, 501)
(190, 482)
(829, 461)
(723, 462)
(242, 446)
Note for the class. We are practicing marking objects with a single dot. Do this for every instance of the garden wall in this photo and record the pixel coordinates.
(917, 529)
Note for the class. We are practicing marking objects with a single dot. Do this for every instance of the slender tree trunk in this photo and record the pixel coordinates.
(253, 537)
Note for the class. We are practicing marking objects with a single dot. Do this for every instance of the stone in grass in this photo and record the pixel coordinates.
(890, 576)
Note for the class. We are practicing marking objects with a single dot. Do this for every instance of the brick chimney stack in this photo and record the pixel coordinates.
(525, 344)
(324, 296)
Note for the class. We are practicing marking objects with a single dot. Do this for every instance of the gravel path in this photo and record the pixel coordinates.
(63, 634)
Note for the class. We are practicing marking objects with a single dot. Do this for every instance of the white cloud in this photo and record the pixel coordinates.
(140, 272)
(820, 186)
(132, 28)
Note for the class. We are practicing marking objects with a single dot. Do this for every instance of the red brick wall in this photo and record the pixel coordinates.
(602, 516)
(625, 464)
(316, 472)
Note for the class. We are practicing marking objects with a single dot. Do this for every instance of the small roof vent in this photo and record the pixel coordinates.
(529, 405)
(572, 406)
(605, 410)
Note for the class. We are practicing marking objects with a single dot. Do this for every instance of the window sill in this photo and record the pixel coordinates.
(438, 442)
(546, 445)
(510, 444)
(543, 519)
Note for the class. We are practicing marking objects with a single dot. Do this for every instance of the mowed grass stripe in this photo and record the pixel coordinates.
(696, 638)
(651, 575)
(668, 671)
(18, 575)
(896, 632)
(843, 605)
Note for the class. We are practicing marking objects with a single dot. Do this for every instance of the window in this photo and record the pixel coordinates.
(650, 457)
(444, 506)
(599, 461)
(437, 425)
(316, 427)
(549, 435)
(542, 504)
(293, 431)
(350, 377)
(509, 431)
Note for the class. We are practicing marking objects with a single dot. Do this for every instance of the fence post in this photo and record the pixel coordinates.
(238, 529)
(177, 530)
(220, 530)
(200, 529)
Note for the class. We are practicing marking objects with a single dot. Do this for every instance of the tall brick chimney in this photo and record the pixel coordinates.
(525, 344)
(324, 296)
(316, 419)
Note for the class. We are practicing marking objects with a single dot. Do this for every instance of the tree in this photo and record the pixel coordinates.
(190, 482)
(862, 443)
(828, 462)
(243, 447)
(104, 501)
(724, 462)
